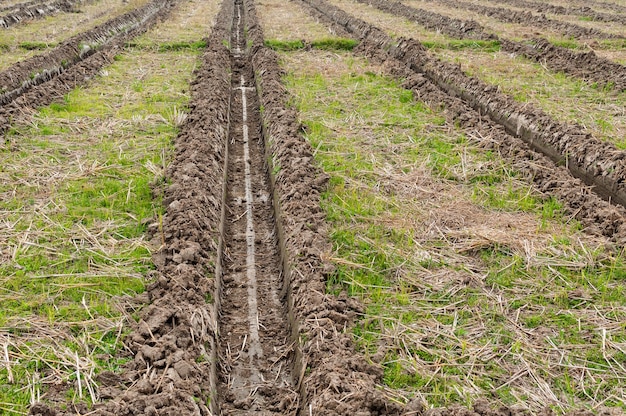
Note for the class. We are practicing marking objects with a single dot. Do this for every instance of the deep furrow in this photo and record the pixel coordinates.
(256, 354)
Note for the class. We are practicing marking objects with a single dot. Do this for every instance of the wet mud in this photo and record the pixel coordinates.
(256, 348)
(584, 65)
(530, 19)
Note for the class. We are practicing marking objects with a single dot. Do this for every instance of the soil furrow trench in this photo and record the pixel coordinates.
(256, 351)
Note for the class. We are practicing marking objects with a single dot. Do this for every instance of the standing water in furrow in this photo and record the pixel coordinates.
(256, 354)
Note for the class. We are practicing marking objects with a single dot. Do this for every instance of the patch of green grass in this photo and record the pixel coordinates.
(334, 44)
(35, 46)
(458, 44)
(322, 44)
(570, 43)
(284, 45)
(169, 46)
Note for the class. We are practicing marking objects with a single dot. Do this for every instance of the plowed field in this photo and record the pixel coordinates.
(312, 207)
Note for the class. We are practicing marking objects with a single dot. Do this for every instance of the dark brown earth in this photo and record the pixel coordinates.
(530, 19)
(583, 11)
(256, 348)
(584, 65)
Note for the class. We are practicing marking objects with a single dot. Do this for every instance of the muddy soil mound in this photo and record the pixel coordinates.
(173, 344)
(12, 15)
(587, 65)
(529, 19)
(476, 105)
(618, 8)
(26, 74)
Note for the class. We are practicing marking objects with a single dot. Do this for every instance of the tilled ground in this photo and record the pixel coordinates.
(238, 320)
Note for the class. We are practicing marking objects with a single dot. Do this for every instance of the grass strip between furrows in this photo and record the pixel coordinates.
(475, 285)
(77, 187)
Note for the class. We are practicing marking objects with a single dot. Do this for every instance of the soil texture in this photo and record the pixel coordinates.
(583, 11)
(23, 76)
(256, 350)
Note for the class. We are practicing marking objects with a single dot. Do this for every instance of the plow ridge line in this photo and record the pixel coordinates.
(585, 65)
(24, 75)
(599, 164)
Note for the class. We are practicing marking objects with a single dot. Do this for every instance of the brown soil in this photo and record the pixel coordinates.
(256, 353)
(587, 65)
(530, 19)
(238, 321)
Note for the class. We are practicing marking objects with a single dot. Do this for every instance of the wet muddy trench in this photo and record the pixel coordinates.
(255, 366)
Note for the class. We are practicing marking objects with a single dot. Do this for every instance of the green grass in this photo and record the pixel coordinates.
(322, 44)
(77, 196)
(36, 46)
(468, 275)
(458, 44)
(169, 46)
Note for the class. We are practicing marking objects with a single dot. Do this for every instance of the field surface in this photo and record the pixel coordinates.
(312, 207)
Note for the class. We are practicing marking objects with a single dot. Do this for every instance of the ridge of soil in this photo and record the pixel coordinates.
(584, 65)
(527, 18)
(604, 5)
(335, 379)
(24, 75)
(583, 11)
(520, 133)
(35, 10)
(173, 345)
